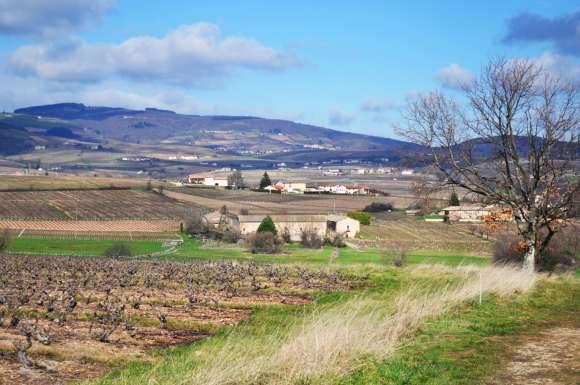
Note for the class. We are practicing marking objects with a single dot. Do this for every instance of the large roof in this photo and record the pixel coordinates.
(283, 218)
(474, 207)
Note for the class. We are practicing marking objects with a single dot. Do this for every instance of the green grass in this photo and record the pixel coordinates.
(429, 216)
(192, 250)
(470, 346)
(195, 250)
(52, 246)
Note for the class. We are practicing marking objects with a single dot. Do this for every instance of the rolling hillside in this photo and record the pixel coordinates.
(233, 134)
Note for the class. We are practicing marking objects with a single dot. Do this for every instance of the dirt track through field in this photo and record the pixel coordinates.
(551, 358)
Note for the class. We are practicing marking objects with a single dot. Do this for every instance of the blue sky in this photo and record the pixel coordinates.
(347, 65)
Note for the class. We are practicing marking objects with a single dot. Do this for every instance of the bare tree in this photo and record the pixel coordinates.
(514, 142)
(424, 192)
(236, 180)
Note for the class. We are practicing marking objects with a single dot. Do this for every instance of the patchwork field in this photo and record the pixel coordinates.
(89, 204)
(61, 182)
(264, 202)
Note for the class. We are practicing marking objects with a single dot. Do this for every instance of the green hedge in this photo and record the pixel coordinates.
(361, 216)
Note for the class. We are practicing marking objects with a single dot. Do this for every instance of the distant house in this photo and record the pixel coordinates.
(294, 224)
(290, 187)
(477, 213)
(344, 189)
(343, 225)
(332, 172)
(208, 180)
(407, 172)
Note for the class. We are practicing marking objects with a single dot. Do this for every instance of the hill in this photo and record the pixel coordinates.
(14, 140)
(243, 135)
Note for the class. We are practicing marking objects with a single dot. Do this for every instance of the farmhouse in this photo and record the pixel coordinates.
(290, 187)
(477, 213)
(344, 189)
(340, 224)
(294, 224)
(208, 180)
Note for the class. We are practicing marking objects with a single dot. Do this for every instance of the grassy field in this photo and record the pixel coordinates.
(194, 250)
(44, 246)
(314, 344)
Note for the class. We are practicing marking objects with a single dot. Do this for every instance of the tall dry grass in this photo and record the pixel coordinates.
(334, 341)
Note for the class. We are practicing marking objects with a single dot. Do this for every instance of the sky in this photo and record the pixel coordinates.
(347, 65)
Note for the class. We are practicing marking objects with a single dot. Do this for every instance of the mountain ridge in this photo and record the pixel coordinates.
(238, 134)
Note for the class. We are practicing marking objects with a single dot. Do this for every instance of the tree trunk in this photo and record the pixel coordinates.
(530, 258)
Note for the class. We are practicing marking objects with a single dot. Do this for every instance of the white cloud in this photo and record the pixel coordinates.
(48, 18)
(559, 65)
(190, 55)
(455, 77)
(378, 106)
(340, 118)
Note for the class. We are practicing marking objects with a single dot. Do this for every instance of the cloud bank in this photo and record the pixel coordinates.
(563, 31)
(48, 18)
(190, 55)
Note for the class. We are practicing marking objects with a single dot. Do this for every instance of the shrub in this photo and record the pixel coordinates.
(119, 250)
(454, 199)
(336, 241)
(230, 236)
(400, 251)
(195, 225)
(286, 236)
(361, 216)
(264, 242)
(310, 239)
(267, 226)
(5, 240)
(265, 181)
(377, 207)
(560, 253)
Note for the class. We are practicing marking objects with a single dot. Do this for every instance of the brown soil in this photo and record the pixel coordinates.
(550, 358)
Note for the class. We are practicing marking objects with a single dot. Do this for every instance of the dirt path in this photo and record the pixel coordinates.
(550, 358)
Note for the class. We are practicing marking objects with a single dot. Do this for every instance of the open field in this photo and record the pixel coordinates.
(196, 250)
(264, 202)
(83, 314)
(64, 182)
(89, 204)
(79, 247)
(393, 229)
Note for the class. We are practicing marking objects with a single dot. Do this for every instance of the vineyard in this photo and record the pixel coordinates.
(87, 227)
(89, 204)
(65, 318)
(421, 235)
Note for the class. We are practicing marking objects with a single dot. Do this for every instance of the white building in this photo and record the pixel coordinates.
(208, 180)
